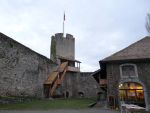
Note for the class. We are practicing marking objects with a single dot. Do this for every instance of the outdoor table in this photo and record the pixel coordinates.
(131, 108)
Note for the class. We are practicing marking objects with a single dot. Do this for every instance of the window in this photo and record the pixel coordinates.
(132, 93)
(128, 70)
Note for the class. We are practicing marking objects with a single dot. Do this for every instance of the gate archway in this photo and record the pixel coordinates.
(132, 93)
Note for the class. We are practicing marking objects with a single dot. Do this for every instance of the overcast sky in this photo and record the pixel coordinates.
(100, 27)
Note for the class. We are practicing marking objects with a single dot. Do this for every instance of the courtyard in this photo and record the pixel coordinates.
(92, 110)
(54, 106)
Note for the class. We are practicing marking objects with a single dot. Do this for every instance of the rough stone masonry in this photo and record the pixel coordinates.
(22, 71)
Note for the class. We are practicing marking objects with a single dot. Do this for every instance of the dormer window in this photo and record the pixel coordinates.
(128, 71)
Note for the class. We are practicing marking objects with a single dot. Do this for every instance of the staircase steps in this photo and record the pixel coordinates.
(63, 66)
(52, 77)
(55, 79)
(54, 87)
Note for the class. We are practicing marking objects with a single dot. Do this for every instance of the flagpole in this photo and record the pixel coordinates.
(63, 28)
(64, 25)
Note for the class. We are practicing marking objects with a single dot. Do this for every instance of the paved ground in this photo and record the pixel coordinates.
(63, 111)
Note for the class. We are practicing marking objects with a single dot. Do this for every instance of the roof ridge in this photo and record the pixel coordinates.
(126, 48)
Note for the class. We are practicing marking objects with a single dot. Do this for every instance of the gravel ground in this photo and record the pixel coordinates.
(63, 111)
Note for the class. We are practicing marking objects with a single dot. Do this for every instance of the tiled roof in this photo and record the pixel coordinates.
(137, 50)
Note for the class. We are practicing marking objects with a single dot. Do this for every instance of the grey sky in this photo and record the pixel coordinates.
(101, 27)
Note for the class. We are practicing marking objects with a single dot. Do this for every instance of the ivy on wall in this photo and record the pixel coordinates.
(53, 49)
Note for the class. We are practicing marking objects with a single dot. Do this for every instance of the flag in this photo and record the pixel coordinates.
(64, 17)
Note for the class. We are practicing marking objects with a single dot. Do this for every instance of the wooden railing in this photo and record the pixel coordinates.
(73, 69)
(103, 82)
(61, 71)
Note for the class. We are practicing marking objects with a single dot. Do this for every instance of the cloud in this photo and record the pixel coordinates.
(99, 27)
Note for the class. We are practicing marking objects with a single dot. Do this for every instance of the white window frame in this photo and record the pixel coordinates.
(129, 64)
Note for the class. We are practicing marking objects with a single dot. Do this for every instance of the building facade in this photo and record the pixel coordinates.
(126, 75)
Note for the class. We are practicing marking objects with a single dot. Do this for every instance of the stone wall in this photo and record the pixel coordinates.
(80, 85)
(88, 85)
(113, 78)
(144, 76)
(71, 84)
(22, 71)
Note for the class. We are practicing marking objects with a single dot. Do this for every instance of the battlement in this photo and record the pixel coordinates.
(62, 46)
(60, 35)
(69, 36)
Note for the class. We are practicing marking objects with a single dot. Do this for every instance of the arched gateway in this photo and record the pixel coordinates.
(132, 93)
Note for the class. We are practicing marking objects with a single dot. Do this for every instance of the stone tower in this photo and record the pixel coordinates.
(64, 80)
(62, 47)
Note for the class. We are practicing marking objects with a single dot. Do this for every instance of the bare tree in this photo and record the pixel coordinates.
(147, 24)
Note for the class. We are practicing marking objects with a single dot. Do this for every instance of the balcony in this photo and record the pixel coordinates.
(103, 82)
(73, 69)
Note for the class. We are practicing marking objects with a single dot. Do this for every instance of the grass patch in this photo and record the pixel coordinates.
(49, 104)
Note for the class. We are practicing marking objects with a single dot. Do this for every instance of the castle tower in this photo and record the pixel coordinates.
(62, 47)
(63, 53)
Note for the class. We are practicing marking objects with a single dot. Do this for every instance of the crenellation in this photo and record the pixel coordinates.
(59, 35)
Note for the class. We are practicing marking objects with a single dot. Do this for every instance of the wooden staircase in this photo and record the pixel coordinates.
(55, 79)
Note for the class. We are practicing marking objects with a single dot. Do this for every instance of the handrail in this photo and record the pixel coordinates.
(61, 73)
